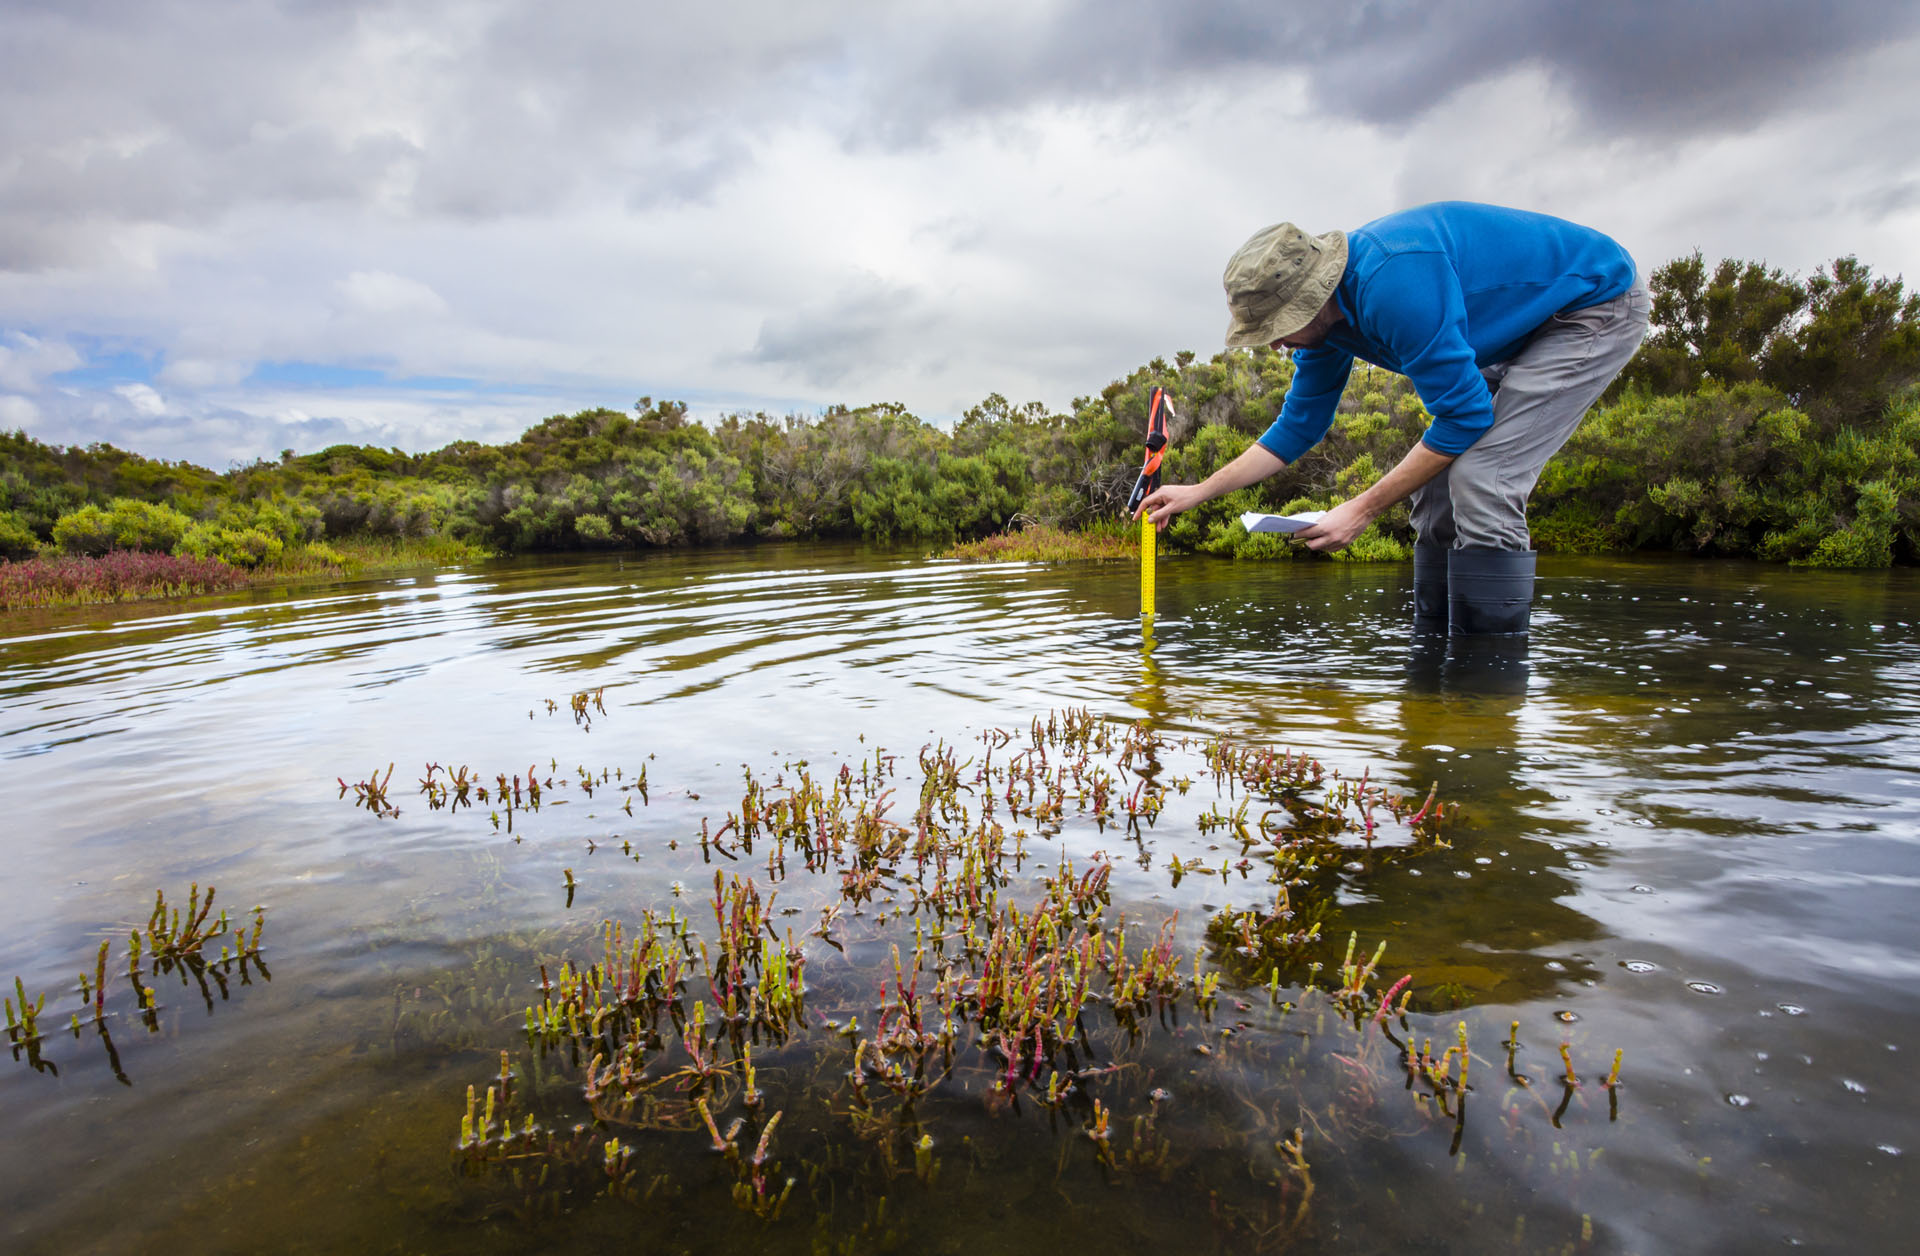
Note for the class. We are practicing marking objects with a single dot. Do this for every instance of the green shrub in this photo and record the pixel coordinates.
(1044, 543)
(1573, 527)
(1375, 546)
(321, 552)
(237, 547)
(963, 496)
(1226, 536)
(1362, 426)
(123, 524)
(16, 538)
(293, 522)
(1867, 541)
(1232, 540)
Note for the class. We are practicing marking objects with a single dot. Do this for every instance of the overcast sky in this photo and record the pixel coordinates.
(232, 226)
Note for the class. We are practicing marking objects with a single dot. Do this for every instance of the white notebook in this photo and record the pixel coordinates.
(1254, 521)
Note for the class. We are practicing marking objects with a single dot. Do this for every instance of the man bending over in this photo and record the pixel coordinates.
(1509, 325)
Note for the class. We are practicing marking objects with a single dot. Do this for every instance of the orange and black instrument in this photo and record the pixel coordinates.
(1158, 408)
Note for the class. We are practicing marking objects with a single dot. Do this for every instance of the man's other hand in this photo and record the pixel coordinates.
(1337, 527)
(1163, 503)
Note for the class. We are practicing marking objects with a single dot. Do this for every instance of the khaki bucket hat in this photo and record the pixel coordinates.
(1278, 281)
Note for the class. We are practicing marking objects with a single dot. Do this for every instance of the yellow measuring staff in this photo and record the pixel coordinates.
(1158, 408)
(1146, 566)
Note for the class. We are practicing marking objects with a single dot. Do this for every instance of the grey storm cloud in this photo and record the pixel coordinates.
(1639, 67)
(129, 111)
(1648, 68)
(175, 110)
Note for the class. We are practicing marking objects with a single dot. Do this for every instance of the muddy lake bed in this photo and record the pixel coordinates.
(1683, 824)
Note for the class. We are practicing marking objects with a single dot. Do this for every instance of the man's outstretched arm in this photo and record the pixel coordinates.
(1251, 467)
(1350, 518)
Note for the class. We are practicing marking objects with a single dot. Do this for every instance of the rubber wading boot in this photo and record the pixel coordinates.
(1429, 588)
(1489, 591)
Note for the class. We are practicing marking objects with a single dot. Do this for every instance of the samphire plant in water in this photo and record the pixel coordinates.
(934, 977)
(176, 943)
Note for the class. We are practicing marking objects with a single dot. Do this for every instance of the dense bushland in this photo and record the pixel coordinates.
(1766, 415)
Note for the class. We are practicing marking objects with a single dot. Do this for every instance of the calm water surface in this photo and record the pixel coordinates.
(1690, 828)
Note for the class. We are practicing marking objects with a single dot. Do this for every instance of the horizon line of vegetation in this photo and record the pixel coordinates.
(1766, 416)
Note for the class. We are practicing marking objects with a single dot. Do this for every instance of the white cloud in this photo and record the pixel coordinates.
(18, 413)
(379, 292)
(199, 374)
(25, 360)
(144, 400)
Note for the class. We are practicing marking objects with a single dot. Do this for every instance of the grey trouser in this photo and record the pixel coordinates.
(1539, 397)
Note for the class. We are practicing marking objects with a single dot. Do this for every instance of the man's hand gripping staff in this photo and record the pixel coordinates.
(1160, 503)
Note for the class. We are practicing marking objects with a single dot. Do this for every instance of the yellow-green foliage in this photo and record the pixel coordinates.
(1358, 427)
(237, 547)
(16, 538)
(1375, 546)
(1356, 477)
(1234, 541)
(1044, 543)
(320, 554)
(363, 553)
(123, 524)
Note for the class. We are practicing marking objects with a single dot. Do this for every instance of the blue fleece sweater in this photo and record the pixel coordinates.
(1436, 293)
